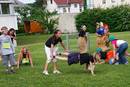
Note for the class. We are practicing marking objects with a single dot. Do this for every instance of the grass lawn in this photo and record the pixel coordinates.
(71, 76)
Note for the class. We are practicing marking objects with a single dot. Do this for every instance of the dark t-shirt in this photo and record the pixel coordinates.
(82, 33)
(53, 40)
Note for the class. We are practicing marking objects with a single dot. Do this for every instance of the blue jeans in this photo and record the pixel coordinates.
(121, 51)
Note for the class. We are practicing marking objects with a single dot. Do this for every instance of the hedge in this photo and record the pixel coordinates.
(118, 18)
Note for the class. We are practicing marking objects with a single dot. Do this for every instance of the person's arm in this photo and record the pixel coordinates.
(52, 50)
(19, 59)
(30, 58)
(114, 50)
(62, 44)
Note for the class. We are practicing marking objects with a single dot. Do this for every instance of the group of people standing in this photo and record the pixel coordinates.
(7, 48)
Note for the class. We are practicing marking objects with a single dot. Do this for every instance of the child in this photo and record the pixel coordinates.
(50, 49)
(12, 34)
(82, 40)
(24, 57)
(119, 48)
(7, 50)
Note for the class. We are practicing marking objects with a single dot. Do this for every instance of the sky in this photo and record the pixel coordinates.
(27, 1)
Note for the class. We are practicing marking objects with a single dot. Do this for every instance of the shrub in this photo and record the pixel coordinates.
(118, 18)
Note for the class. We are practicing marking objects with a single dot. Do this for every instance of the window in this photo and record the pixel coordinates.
(122, 0)
(51, 1)
(75, 5)
(68, 9)
(103, 1)
(5, 8)
(113, 1)
(64, 9)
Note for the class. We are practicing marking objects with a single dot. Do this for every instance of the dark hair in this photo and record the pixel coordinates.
(56, 31)
(11, 29)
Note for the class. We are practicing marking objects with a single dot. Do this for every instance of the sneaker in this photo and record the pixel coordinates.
(126, 63)
(117, 63)
(56, 71)
(45, 72)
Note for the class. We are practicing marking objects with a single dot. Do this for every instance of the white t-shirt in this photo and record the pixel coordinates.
(119, 42)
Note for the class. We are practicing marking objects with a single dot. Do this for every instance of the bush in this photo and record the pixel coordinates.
(20, 29)
(118, 18)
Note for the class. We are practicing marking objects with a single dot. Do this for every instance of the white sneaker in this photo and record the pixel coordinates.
(56, 71)
(45, 72)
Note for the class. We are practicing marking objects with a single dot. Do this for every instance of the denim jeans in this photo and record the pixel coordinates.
(121, 51)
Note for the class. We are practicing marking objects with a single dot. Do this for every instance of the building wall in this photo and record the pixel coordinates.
(8, 20)
(60, 9)
(109, 3)
(67, 22)
(51, 6)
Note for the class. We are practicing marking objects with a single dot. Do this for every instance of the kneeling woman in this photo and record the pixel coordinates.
(24, 57)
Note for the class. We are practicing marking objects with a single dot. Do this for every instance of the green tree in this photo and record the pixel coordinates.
(118, 18)
(40, 3)
(46, 18)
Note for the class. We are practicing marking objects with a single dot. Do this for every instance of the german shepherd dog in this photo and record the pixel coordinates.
(89, 60)
(85, 58)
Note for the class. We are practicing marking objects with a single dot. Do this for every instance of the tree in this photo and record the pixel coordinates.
(24, 12)
(85, 4)
(47, 19)
(40, 3)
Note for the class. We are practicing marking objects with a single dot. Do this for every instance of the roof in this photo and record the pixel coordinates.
(62, 2)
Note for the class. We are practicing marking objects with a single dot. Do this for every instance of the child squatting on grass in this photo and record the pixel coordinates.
(120, 50)
(50, 50)
(24, 57)
(7, 50)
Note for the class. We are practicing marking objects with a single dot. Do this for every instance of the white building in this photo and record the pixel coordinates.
(65, 6)
(7, 13)
(105, 3)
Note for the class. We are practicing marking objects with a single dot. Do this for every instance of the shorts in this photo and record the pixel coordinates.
(48, 54)
(8, 58)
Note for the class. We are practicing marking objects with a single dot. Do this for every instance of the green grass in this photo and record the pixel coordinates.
(72, 76)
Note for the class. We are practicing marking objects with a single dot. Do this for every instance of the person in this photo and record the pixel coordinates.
(101, 37)
(7, 50)
(12, 34)
(24, 57)
(107, 33)
(50, 50)
(82, 40)
(120, 49)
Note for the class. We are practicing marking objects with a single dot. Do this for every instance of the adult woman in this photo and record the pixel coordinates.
(50, 50)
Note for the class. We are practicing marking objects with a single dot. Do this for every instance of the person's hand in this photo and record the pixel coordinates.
(66, 50)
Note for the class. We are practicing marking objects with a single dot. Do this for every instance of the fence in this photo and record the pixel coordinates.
(71, 42)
